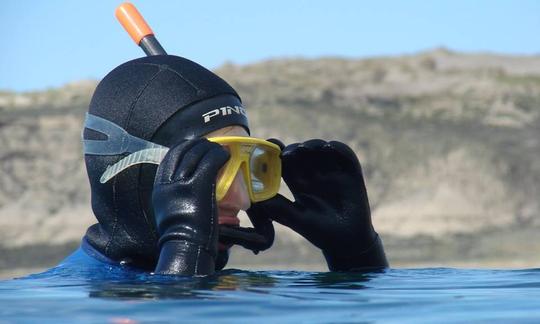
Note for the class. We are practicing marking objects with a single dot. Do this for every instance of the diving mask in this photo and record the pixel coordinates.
(260, 164)
(258, 159)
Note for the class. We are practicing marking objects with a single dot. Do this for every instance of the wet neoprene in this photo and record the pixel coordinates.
(185, 207)
(331, 207)
(163, 99)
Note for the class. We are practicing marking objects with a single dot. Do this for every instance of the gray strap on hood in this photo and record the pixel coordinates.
(119, 141)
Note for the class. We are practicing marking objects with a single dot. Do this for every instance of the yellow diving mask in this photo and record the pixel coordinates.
(258, 159)
(260, 164)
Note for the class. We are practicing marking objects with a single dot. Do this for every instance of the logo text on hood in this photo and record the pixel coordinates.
(223, 111)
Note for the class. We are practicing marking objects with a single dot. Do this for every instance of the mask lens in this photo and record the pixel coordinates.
(259, 165)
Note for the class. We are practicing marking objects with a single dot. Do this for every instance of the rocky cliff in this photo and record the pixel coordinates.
(449, 143)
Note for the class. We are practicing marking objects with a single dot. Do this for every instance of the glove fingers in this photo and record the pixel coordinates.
(318, 162)
(314, 144)
(290, 149)
(191, 159)
(277, 142)
(263, 226)
(343, 155)
(213, 160)
(291, 166)
(167, 167)
(318, 157)
(279, 209)
(299, 162)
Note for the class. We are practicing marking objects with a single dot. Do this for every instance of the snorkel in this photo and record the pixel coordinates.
(108, 140)
(141, 33)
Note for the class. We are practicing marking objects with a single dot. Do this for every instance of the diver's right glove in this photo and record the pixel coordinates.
(331, 208)
(185, 209)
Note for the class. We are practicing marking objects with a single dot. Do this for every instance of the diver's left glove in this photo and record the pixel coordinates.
(185, 207)
(331, 208)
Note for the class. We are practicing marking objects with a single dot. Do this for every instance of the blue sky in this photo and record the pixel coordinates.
(49, 43)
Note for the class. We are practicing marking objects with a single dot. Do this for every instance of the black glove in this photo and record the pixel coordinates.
(331, 208)
(185, 207)
(258, 238)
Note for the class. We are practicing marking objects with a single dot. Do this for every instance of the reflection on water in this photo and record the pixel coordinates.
(116, 295)
(162, 287)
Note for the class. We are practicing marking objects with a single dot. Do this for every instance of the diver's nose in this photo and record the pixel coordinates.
(237, 196)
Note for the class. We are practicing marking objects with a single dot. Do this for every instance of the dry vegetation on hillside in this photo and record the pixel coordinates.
(450, 145)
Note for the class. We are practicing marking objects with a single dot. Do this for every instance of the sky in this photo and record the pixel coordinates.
(49, 43)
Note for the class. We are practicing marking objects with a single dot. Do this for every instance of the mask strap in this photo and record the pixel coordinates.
(118, 140)
(152, 155)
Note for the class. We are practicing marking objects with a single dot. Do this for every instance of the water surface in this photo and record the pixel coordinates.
(114, 295)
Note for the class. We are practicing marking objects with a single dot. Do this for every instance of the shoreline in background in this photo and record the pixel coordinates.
(488, 249)
(449, 145)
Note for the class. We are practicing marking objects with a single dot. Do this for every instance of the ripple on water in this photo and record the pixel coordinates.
(119, 295)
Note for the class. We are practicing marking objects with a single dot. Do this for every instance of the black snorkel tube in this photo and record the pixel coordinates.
(256, 239)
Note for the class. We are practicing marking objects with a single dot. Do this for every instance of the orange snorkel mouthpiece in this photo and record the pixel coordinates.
(141, 33)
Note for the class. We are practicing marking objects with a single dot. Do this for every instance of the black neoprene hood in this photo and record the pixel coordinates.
(165, 91)
(162, 99)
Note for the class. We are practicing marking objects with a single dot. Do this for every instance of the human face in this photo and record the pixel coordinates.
(237, 197)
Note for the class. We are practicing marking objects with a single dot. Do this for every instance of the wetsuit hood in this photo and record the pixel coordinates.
(162, 99)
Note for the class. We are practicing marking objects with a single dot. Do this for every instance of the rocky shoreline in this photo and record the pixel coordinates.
(488, 249)
(449, 144)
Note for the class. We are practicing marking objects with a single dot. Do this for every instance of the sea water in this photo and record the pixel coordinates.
(112, 294)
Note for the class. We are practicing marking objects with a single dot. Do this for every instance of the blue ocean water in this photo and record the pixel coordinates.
(113, 294)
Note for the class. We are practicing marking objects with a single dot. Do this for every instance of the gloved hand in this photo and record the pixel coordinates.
(185, 207)
(258, 238)
(331, 208)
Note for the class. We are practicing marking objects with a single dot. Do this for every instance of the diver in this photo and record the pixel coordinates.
(171, 163)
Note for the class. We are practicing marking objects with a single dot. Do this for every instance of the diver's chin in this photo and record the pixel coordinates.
(229, 219)
(225, 218)
(222, 259)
